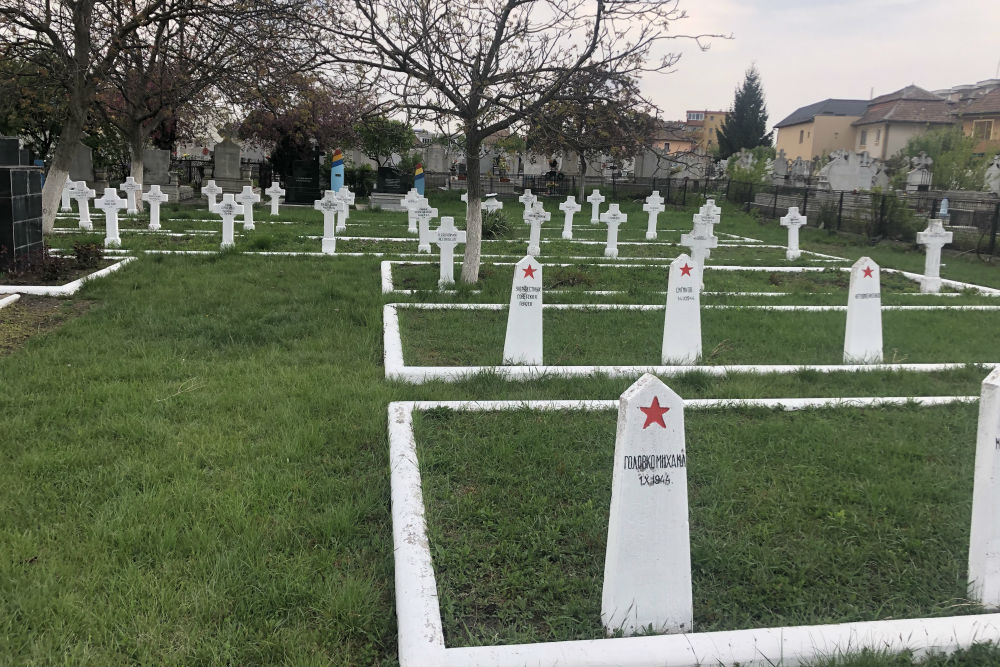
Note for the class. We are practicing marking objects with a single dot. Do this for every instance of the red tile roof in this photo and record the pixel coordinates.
(907, 105)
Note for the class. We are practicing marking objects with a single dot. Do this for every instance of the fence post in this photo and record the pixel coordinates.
(684, 195)
(993, 229)
(749, 195)
(881, 215)
(840, 210)
(774, 207)
(805, 201)
(668, 190)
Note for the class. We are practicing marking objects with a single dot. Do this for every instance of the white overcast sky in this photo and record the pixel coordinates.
(809, 50)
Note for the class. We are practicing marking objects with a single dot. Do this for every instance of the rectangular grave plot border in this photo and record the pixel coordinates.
(69, 288)
(421, 634)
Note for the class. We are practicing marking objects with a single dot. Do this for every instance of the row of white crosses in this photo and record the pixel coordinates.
(535, 215)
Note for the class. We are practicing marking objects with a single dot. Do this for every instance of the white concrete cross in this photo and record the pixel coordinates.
(330, 204)
(595, 199)
(248, 198)
(569, 207)
(347, 199)
(424, 216)
(527, 199)
(67, 191)
(710, 209)
(612, 218)
(228, 208)
(535, 217)
(491, 205)
(82, 194)
(523, 341)
(130, 187)
(275, 192)
(211, 190)
(700, 241)
(654, 206)
(464, 197)
(411, 202)
(792, 222)
(863, 334)
(447, 237)
(154, 198)
(984, 534)
(682, 323)
(111, 203)
(933, 238)
(647, 565)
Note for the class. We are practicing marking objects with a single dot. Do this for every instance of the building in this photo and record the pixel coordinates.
(819, 129)
(977, 110)
(709, 123)
(892, 120)
(676, 137)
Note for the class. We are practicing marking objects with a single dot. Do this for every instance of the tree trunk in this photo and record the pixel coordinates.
(136, 142)
(473, 214)
(55, 179)
(583, 179)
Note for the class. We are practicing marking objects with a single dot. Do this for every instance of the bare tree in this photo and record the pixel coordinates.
(492, 64)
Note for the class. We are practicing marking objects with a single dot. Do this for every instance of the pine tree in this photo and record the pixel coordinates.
(746, 125)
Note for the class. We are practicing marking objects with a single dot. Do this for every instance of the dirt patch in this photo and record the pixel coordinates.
(50, 275)
(34, 315)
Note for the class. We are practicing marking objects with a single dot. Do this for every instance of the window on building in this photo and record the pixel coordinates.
(711, 117)
(696, 115)
(802, 135)
(982, 129)
(878, 136)
(666, 146)
(864, 138)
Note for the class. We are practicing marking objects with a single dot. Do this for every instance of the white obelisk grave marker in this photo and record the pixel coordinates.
(654, 206)
(82, 194)
(535, 217)
(111, 203)
(984, 536)
(411, 202)
(612, 218)
(228, 209)
(933, 238)
(211, 190)
(523, 343)
(154, 198)
(793, 221)
(447, 237)
(130, 187)
(863, 337)
(68, 187)
(248, 198)
(595, 199)
(682, 322)
(329, 205)
(275, 192)
(424, 216)
(569, 207)
(647, 568)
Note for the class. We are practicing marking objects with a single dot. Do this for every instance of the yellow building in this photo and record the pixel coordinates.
(709, 122)
(980, 118)
(819, 129)
(892, 120)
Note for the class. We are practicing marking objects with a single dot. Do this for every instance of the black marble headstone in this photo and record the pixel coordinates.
(20, 204)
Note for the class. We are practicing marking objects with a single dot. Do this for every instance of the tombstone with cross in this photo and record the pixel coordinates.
(228, 208)
(346, 201)
(154, 198)
(919, 178)
(528, 200)
(247, 198)
(446, 236)
(411, 202)
(535, 217)
(130, 188)
(275, 192)
(212, 191)
(424, 216)
(700, 241)
(612, 218)
(595, 199)
(709, 208)
(82, 194)
(67, 191)
(933, 239)
(653, 206)
(569, 207)
(792, 222)
(992, 177)
(111, 203)
(491, 205)
(329, 205)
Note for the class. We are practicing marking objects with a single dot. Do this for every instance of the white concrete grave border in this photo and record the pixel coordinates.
(67, 289)
(421, 634)
(396, 368)
(9, 300)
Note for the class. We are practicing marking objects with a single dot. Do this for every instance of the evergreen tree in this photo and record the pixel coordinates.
(746, 125)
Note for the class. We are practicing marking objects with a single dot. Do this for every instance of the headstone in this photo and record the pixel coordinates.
(647, 565)
(82, 194)
(212, 191)
(155, 167)
(227, 160)
(800, 172)
(984, 534)
(491, 205)
(337, 171)
(653, 206)
(863, 335)
(569, 207)
(111, 203)
(275, 193)
(700, 241)
(247, 197)
(154, 197)
(523, 342)
(612, 218)
(81, 164)
(303, 183)
(424, 216)
(792, 222)
(66, 203)
(130, 188)
(20, 205)
(595, 199)
(528, 200)
(710, 209)
(411, 202)
(919, 178)
(933, 239)
(329, 205)
(779, 173)
(682, 322)
(880, 179)
(447, 237)
(228, 208)
(418, 179)
(347, 201)
(745, 160)
(535, 217)
(993, 176)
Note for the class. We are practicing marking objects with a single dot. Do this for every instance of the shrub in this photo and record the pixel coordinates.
(496, 225)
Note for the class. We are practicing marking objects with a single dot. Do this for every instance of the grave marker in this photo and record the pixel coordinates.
(647, 567)
(424, 216)
(700, 241)
(228, 208)
(330, 204)
(211, 190)
(447, 237)
(569, 207)
(933, 238)
(984, 535)
(82, 194)
(612, 218)
(67, 191)
(111, 203)
(411, 202)
(792, 221)
(130, 187)
(275, 192)
(491, 205)
(654, 206)
(154, 197)
(595, 199)
(682, 321)
(347, 199)
(247, 197)
(535, 217)
(863, 336)
(528, 200)
(523, 342)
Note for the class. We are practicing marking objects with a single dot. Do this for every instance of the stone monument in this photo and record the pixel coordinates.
(226, 172)
(919, 178)
(20, 205)
(863, 335)
(682, 321)
(993, 176)
(523, 340)
(984, 534)
(569, 207)
(933, 238)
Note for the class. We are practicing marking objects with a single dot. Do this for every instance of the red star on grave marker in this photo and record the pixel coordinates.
(868, 272)
(529, 272)
(654, 413)
(686, 270)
